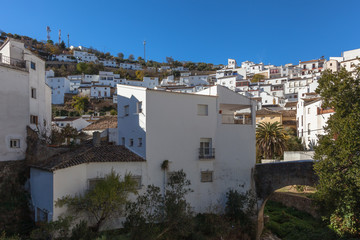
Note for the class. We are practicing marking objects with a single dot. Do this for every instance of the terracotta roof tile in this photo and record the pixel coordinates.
(103, 123)
(265, 111)
(89, 154)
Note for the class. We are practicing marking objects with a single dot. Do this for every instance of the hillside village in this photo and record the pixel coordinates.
(202, 122)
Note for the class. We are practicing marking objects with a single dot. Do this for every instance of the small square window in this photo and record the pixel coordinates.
(131, 142)
(137, 179)
(202, 110)
(92, 182)
(33, 93)
(33, 119)
(206, 176)
(32, 65)
(15, 143)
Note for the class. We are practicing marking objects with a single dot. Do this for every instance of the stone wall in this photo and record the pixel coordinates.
(301, 203)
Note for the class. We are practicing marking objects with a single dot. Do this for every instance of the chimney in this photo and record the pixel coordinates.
(96, 139)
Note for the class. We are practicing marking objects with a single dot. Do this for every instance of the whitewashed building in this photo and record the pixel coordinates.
(109, 63)
(148, 82)
(131, 66)
(100, 91)
(76, 122)
(59, 86)
(85, 56)
(65, 58)
(210, 135)
(311, 118)
(24, 96)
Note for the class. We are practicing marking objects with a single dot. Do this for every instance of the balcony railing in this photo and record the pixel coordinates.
(232, 119)
(13, 61)
(206, 153)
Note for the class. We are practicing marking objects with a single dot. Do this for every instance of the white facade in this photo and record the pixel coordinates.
(132, 66)
(228, 81)
(25, 98)
(109, 63)
(311, 119)
(48, 186)
(65, 58)
(77, 123)
(100, 91)
(148, 82)
(85, 56)
(194, 80)
(59, 86)
(186, 130)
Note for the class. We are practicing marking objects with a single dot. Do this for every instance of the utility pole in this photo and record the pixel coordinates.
(144, 51)
(68, 40)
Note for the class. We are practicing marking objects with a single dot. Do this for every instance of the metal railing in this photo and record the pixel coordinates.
(232, 119)
(206, 153)
(13, 61)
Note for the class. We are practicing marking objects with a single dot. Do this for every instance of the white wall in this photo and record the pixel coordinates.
(173, 130)
(74, 180)
(17, 103)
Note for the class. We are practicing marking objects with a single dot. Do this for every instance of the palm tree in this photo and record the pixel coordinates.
(270, 139)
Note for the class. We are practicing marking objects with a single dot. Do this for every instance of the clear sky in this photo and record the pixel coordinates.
(276, 32)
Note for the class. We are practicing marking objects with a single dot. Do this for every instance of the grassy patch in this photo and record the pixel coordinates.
(291, 224)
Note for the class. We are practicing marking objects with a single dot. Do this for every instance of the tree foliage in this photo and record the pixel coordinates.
(81, 104)
(338, 152)
(257, 78)
(270, 139)
(105, 201)
(154, 216)
(131, 57)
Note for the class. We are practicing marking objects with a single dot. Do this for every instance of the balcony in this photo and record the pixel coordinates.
(13, 62)
(206, 153)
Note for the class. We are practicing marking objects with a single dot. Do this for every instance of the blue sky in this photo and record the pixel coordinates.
(276, 32)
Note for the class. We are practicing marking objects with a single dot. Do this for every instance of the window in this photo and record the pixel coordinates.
(92, 182)
(32, 65)
(302, 120)
(33, 93)
(123, 141)
(139, 107)
(137, 179)
(308, 110)
(126, 110)
(206, 176)
(33, 119)
(14, 143)
(202, 109)
(131, 142)
(140, 142)
(308, 128)
(206, 150)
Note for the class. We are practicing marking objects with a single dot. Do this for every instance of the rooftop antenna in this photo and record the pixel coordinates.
(59, 36)
(144, 51)
(68, 40)
(48, 30)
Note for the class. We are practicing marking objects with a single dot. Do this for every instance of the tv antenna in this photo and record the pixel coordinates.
(48, 30)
